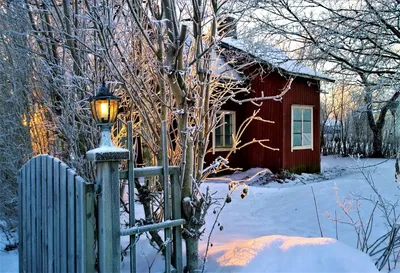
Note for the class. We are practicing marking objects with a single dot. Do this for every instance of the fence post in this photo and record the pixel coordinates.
(107, 178)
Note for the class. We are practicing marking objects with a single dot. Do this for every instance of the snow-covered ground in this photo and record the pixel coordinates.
(275, 227)
(288, 209)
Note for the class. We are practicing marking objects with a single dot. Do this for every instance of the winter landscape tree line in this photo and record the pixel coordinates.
(158, 57)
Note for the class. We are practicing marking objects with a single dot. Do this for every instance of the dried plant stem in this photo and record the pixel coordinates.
(316, 211)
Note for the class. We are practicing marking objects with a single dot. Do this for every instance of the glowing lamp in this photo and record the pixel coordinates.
(104, 107)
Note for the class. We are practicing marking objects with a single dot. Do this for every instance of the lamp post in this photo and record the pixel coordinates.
(104, 108)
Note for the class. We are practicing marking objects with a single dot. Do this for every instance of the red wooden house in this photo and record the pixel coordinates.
(297, 116)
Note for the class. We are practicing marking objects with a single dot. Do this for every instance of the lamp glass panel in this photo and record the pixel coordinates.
(113, 110)
(93, 110)
(102, 111)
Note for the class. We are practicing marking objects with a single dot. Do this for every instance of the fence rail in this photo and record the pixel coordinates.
(172, 224)
(56, 218)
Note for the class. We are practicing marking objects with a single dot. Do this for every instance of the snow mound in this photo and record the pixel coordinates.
(249, 176)
(278, 253)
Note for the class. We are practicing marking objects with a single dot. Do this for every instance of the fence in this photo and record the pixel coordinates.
(172, 212)
(56, 212)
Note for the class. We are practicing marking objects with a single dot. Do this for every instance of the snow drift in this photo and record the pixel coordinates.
(277, 253)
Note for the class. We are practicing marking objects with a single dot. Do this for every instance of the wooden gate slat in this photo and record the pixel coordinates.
(79, 227)
(85, 223)
(80, 219)
(24, 216)
(71, 221)
(90, 223)
(33, 212)
(50, 216)
(29, 219)
(44, 213)
(63, 217)
(21, 215)
(38, 204)
(56, 213)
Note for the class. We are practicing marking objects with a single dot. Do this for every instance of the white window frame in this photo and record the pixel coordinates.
(222, 113)
(302, 107)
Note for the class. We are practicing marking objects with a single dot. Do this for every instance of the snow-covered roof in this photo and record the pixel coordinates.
(220, 67)
(276, 58)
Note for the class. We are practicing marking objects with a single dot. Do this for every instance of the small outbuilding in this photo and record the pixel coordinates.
(295, 133)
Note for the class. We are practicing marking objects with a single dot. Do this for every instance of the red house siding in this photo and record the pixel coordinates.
(256, 155)
(302, 92)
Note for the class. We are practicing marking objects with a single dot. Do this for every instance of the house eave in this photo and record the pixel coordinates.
(328, 79)
(262, 61)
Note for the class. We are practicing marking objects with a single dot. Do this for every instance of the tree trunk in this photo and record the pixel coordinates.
(377, 144)
(192, 254)
(323, 144)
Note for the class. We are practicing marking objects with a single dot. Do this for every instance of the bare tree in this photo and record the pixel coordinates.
(162, 58)
(15, 115)
(357, 38)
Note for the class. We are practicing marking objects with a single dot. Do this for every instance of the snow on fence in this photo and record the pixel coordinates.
(56, 218)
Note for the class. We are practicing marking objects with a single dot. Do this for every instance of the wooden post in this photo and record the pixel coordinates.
(167, 214)
(131, 189)
(107, 178)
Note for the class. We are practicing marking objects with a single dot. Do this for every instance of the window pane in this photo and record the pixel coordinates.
(218, 130)
(297, 114)
(218, 136)
(218, 141)
(307, 127)
(306, 139)
(228, 124)
(297, 127)
(228, 119)
(306, 114)
(220, 121)
(296, 140)
(228, 140)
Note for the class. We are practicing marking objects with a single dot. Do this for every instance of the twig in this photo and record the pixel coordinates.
(209, 236)
(336, 221)
(316, 210)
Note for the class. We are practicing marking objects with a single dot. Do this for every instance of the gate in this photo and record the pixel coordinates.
(57, 214)
(172, 206)
(56, 218)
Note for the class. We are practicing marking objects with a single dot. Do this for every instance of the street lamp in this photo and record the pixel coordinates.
(104, 107)
(107, 158)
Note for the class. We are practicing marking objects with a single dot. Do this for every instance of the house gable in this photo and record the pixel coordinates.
(268, 77)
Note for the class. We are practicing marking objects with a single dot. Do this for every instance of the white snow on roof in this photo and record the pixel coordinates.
(275, 57)
(220, 67)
